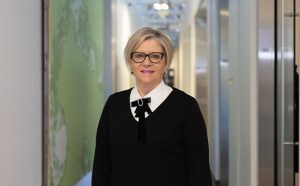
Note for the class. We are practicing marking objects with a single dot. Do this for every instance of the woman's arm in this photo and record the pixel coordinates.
(196, 143)
(101, 166)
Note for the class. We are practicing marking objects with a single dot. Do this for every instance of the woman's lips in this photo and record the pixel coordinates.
(147, 71)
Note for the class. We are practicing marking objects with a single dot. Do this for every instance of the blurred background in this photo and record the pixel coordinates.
(60, 60)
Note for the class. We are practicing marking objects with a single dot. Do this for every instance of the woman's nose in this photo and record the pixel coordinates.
(147, 61)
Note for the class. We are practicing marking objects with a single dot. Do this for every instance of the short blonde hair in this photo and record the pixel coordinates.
(144, 34)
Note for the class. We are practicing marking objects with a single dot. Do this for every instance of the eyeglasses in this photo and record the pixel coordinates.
(154, 57)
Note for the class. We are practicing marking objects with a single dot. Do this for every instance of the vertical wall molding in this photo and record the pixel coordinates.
(242, 93)
(213, 92)
(108, 49)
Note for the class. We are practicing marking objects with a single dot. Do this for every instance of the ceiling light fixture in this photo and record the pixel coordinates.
(160, 6)
(157, 6)
(164, 6)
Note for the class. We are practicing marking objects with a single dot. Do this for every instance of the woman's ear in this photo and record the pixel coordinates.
(166, 69)
(130, 68)
(131, 71)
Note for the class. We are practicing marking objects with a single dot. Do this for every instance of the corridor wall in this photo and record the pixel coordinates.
(20, 93)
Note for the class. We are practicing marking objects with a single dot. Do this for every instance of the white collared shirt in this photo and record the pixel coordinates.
(158, 95)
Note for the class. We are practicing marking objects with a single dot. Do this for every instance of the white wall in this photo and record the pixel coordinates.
(123, 32)
(187, 49)
(20, 93)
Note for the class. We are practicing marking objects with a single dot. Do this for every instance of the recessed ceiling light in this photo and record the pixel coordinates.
(157, 6)
(164, 6)
(160, 6)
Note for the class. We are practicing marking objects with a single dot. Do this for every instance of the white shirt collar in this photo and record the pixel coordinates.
(158, 95)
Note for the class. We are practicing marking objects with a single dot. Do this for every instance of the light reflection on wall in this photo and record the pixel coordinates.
(270, 55)
(123, 31)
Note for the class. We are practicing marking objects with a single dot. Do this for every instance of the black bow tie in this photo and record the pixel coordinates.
(141, 108)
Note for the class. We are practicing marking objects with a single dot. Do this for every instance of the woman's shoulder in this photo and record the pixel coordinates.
(181, 95)
(184, 101)
(181, 98)
(120, 95)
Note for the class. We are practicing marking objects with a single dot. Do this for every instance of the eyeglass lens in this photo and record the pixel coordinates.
(154, 57)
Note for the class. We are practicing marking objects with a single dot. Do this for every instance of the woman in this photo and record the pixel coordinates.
(152, 134)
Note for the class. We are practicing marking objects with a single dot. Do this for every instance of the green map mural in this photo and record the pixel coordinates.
(76, 98)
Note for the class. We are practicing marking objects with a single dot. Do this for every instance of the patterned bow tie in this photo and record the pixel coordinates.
(141, 108)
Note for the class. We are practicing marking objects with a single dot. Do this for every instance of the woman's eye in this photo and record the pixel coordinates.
(155, 56)
(139, 56)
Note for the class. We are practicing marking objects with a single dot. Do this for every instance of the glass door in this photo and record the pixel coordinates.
(296, 88)
(285, 94)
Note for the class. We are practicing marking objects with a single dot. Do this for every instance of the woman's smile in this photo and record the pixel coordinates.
(147, 71)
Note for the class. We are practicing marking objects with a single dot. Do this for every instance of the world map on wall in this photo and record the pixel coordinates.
(72, 22)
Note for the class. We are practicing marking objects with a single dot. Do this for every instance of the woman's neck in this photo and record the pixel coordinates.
(145, 89)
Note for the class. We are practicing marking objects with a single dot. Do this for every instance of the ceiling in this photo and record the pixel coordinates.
(166, 20)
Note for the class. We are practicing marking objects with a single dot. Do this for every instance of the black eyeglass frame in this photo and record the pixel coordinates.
(147, 55)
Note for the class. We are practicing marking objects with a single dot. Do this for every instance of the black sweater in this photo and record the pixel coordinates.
(175, 152)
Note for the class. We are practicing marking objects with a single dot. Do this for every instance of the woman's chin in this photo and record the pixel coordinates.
(148, 82)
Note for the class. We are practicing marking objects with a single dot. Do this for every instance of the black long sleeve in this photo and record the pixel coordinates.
(196, 144)
(102, 162)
